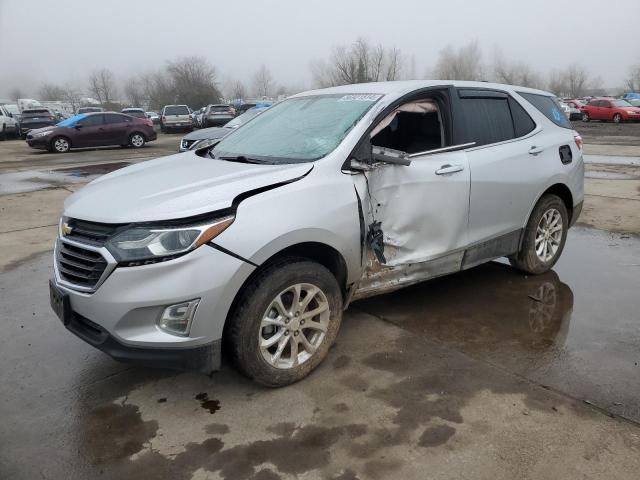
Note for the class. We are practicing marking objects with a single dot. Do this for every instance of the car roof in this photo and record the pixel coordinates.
(403, 87)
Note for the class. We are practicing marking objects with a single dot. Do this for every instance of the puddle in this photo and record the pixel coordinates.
(575, 329)
(33, 180)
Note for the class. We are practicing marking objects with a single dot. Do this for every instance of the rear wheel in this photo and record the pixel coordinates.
(60, 145)
(617, 118)
(285, 320)
(137, 140)
(3, 133)
(544, 236)
(585, 117)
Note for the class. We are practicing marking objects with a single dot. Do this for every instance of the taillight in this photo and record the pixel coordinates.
(578, 139)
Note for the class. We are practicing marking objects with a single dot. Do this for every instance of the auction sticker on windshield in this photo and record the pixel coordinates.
(368, 97)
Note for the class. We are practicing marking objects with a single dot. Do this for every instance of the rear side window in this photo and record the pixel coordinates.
(522, 122)
(487, 120)
(549, 107)
(112, 118)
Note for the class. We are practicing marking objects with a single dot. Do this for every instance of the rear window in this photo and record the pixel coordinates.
(219, 109)
(135, 113)
(549, 107)
(36, 113)
(176, 110)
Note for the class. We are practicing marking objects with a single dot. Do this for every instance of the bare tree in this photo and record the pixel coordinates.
(465, 63)
(49, 91)
(15, 94)
(263, 82)
(134, 93)
(633, 80)
(574, 82)
(577, 78)
(102, 85)
(360, 62)
(194, 81)
(515, 73)
(72, 95)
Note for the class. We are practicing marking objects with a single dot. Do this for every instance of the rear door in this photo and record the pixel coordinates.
(503, 169)
(116, 129)
(90, 131)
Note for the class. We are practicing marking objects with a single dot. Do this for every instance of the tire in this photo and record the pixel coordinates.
(617, 118)
(60, 145)
(162, 129)
(137, 140)
(257, 319)
(548, 212)
(3, 133)
(585, 117)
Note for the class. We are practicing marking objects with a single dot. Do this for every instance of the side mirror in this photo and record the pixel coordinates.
(77, 127)
(389, 155)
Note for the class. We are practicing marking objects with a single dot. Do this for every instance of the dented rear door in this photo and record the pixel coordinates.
(422, 211)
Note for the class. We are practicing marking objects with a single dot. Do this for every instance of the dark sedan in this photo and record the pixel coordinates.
(93, 130)
(34, 118)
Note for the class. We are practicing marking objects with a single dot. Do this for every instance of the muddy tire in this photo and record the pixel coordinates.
(284, 322)
(544, 236)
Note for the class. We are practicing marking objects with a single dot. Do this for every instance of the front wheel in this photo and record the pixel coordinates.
(617, 118)
(60, 145)
(137, 140)
(585, 117)
(544, 236)
(284, 322)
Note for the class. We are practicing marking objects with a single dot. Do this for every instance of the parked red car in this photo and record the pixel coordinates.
(93, 130)
(604, 109)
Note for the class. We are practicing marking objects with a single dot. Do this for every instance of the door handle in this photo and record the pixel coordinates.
(445, 169)
(535, 150)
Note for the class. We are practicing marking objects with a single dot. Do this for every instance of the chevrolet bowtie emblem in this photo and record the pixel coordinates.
(66, 229)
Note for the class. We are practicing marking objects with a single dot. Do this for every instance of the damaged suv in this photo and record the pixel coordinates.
(254, 246)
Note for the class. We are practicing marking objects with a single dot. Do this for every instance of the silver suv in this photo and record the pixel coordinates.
(257, 244)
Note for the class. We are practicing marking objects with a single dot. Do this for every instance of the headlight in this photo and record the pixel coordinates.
(207, 142)
(631, 112)
(150, 244)
(43, 134)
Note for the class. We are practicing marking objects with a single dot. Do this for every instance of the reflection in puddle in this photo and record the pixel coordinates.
(491, 309)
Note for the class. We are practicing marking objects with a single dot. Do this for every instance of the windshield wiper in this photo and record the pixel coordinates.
(243, 159)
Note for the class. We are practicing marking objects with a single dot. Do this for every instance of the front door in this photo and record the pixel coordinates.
(414, 216)
(90, 131)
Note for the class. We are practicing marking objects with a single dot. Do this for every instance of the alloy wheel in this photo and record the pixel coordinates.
(61, 145)
(137, 140)
(549, 235)
(294, 326)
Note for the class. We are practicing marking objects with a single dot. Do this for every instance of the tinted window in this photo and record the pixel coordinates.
(549, 107)
(176, 110)
(487, 120)
(621, 103)
(110, 118)
(522, 122)
(91, 121)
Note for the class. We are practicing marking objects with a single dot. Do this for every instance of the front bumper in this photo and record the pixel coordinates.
(205, 358)
(120, 317)
(41, 143)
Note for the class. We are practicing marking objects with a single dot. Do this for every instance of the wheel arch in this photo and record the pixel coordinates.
(561, 190)
(133, 132)
(61, 136)
(321, 253)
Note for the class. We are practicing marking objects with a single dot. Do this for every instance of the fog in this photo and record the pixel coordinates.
(63, 41)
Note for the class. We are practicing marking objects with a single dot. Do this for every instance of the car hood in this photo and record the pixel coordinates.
(206, 133)
(173, 187)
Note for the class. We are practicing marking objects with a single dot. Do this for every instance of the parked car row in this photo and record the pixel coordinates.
(615, 110)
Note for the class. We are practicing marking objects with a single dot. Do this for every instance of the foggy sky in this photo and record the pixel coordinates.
(63, 40)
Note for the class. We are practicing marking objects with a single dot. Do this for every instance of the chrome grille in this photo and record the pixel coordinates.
(90, 232)
(186, 144)
(79, 266)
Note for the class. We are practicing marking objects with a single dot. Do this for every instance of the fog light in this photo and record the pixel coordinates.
(176, 319)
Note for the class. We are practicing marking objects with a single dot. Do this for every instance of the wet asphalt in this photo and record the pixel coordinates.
(450, 366)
